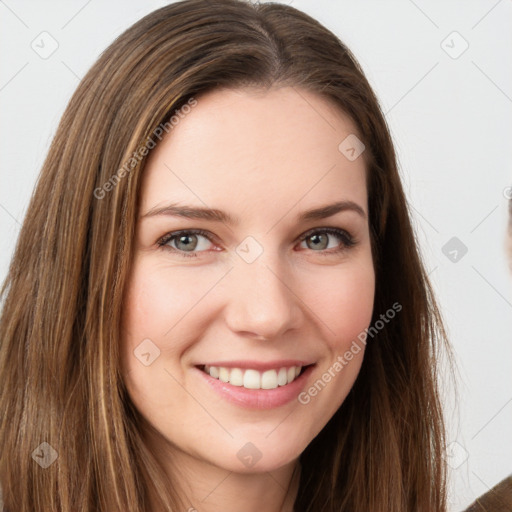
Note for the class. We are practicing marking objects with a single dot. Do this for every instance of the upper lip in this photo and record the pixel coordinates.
(259, 365)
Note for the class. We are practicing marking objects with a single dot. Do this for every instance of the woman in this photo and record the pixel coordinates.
(172, 338)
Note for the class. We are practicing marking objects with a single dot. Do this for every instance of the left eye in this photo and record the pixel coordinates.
(319, 239)
(188, 243)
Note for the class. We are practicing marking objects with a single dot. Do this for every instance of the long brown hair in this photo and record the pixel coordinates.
(383, 450)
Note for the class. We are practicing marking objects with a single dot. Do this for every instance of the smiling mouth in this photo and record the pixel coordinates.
(254, 379)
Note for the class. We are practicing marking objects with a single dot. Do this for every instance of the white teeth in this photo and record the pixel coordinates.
(224, 374)
(269, 379)
(282, 377)
(253, 379)
(236, 377)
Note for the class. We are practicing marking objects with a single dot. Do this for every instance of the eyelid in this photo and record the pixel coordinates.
(164, 240)
(326, 229)
(347, 238)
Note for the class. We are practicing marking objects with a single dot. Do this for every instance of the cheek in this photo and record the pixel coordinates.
(145, 316)
(152, 305)
(161, 304)
(157, 302)
(344, 302)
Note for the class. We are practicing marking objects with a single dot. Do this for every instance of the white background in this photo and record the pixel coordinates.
(451, 122)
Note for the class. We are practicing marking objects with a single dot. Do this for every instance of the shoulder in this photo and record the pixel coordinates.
(497, 499)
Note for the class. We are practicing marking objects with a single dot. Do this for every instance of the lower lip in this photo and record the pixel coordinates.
(258, 398)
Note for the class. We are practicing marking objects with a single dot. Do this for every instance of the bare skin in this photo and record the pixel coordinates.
(264, 158)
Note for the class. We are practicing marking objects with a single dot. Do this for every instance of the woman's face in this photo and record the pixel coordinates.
(264, 288)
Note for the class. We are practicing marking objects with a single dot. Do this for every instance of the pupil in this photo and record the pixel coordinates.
(317, 237)
(185, 237)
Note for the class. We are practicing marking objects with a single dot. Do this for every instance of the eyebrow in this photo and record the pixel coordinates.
(212, 214)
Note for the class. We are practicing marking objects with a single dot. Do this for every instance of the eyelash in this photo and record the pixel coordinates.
(347, 240)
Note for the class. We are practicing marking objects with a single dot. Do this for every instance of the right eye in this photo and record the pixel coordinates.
(186, 242)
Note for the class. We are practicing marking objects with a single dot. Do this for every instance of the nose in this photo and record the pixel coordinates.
(261, 300)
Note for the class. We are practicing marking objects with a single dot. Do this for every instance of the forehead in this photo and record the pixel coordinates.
(250, 150)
